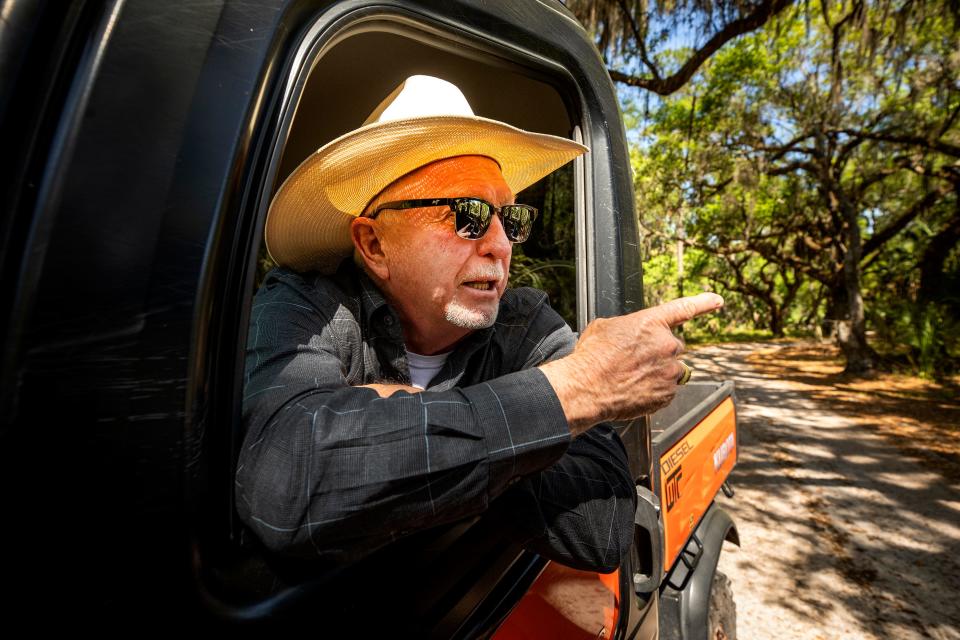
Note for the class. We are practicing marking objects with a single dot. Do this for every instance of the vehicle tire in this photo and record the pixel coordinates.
(722, 613)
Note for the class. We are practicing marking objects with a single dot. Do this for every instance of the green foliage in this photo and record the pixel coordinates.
(920, 338)
(556, 277)
(546, 260)
(830, 137)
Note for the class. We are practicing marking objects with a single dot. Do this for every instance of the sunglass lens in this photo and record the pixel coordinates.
(517, 222)
(473, 218)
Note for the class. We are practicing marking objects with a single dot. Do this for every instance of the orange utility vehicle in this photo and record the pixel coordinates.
(142, 143)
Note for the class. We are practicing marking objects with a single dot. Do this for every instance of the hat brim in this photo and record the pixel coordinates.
(308, 224)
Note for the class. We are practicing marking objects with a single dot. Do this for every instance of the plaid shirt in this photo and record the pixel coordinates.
(332, 472)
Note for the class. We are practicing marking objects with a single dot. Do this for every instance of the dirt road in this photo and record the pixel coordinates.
(846, 532)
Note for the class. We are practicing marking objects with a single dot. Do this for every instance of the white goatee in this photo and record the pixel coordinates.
(461, 316)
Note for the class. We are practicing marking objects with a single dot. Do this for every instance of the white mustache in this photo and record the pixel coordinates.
(494, 273)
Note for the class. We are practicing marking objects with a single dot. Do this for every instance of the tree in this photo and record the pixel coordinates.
(804, 149)
(631, 31)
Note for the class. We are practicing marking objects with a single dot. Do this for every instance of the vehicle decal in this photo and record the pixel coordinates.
(707, 453)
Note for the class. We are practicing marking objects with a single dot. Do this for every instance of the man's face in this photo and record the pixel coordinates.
(443, 284)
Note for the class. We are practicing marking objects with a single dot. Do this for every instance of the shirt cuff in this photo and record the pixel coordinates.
(523, 423)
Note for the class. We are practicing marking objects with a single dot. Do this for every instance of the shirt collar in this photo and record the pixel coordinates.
(372, 302)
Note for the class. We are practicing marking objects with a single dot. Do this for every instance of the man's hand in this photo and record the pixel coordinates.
(387, 390)
(624, 367)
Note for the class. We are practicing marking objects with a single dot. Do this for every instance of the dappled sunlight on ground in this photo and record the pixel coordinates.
(847, 494)
(921, 416)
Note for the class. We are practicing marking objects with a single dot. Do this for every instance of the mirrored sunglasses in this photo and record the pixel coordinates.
(473, 215)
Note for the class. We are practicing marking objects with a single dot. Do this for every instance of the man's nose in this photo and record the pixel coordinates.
(494, 242)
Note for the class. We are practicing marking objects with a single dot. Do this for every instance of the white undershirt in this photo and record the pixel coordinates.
(423, 368)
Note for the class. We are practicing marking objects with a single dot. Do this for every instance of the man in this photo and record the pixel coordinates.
(408, 387)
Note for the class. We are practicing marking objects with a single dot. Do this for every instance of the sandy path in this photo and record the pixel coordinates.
(844, 535)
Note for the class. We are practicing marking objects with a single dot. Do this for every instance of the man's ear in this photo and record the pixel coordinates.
(366, 239)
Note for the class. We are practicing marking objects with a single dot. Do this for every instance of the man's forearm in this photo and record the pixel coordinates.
(336, 473)
(580, 510)
(573, 392)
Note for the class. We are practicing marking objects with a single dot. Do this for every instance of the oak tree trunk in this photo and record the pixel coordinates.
(851, 330)
(776, 322)
(934, 286)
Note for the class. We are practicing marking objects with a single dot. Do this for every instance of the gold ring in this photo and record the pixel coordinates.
(685, 374)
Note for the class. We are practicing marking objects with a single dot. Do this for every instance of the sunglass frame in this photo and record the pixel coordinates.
(515, 231)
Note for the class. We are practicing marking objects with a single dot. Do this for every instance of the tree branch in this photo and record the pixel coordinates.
(878, 239)
(916, 141)
(791, 167)
(666, 86)
(945, 126)
(640, 39)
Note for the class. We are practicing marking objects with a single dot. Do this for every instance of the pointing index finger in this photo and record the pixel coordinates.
(682, 309)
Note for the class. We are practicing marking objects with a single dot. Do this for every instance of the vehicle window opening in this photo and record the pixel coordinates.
(333, 103)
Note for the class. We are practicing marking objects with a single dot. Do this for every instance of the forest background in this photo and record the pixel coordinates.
(800, 157)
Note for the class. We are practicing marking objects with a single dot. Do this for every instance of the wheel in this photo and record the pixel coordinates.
(722, 614)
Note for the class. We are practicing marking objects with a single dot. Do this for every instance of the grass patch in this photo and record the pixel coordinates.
(693, 336)
(732, 335)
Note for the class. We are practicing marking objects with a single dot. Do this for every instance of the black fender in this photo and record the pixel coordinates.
(685, 592)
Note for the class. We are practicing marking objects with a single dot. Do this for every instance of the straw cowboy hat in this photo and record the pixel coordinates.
(423, 120)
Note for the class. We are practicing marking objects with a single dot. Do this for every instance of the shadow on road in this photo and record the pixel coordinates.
(850, 528)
